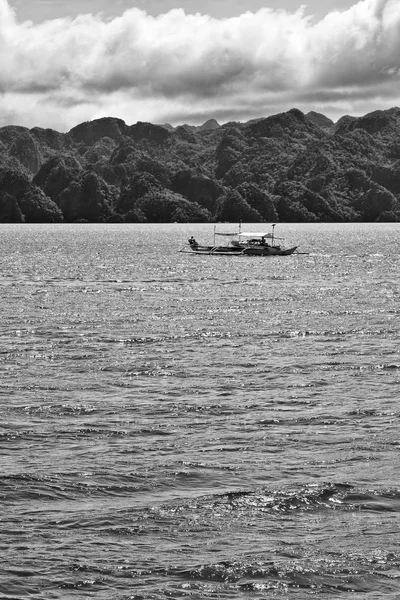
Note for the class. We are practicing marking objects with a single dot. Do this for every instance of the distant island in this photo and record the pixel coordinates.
(289, 167)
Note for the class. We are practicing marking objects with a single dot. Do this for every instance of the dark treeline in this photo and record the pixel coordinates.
(288, 167)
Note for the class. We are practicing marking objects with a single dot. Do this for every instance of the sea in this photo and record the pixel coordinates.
(199, 427)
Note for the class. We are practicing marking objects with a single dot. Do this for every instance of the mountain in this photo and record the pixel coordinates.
(286, 167)
(320, 120)
(210, 124)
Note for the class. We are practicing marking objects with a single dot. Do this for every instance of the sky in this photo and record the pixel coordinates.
(63, 62)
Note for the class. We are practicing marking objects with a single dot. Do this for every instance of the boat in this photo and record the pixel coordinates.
(243, 243)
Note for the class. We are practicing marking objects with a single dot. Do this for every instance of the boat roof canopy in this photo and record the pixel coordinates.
(258, 234)
(248, 234)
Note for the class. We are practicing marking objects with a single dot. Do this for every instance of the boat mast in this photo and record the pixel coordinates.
(273, 233)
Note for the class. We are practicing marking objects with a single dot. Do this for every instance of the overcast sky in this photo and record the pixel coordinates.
(66, 61)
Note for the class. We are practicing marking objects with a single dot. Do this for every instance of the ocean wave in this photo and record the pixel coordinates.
(318, 577)
(23, 488)
(331, 496)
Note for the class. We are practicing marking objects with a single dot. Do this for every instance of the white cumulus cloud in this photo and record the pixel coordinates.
(187, 68)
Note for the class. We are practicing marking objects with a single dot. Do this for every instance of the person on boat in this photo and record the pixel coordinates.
(192, 242)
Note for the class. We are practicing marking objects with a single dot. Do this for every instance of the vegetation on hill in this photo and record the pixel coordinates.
(287, 167)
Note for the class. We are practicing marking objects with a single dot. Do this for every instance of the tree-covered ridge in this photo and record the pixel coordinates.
(286, 167)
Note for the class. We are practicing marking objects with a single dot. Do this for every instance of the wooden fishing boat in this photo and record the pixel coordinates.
(243, 243)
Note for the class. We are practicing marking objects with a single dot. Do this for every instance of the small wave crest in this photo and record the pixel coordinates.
(332, 496)
(322, 576)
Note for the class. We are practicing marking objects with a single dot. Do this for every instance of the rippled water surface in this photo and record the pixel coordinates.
(183, 426)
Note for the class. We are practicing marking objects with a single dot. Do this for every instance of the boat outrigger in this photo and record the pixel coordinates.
(243, 244)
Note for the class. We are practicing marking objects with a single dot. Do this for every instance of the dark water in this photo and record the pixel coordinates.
(182, 426)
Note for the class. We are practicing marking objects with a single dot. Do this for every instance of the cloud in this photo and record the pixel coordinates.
(182, 68)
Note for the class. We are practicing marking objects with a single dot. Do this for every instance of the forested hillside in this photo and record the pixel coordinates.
(287, 167)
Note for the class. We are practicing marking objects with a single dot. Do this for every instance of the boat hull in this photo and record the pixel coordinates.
(214, 250)
(260, 251)
(241, 251)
